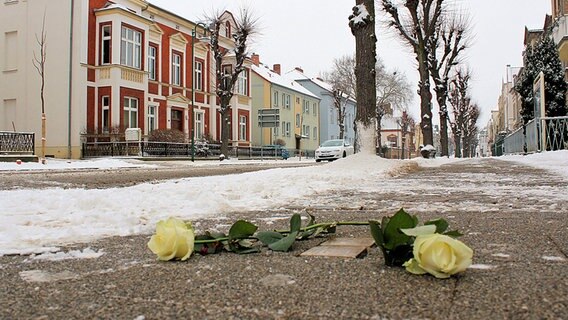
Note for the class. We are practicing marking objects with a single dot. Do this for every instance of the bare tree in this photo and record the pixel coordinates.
(465, 114)
(393, 90)
(39, 64)
(416, 27)
(393, 93)
(362, 24)
(342, 80)
(406, 124)
(446, 48)
(226, 78)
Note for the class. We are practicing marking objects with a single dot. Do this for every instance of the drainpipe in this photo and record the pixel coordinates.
(70, 80)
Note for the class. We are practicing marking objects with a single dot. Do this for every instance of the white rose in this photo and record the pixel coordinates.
(174, 239)
(439, 255)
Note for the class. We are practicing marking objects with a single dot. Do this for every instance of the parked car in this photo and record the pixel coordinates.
(333, 149)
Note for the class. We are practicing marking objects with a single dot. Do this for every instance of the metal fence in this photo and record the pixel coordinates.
(169, 149)
(17, 142)
(545, 134)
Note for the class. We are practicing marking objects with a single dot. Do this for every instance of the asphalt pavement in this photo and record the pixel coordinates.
(513, 217)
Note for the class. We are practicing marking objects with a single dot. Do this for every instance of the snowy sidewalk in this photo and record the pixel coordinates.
(513, 216)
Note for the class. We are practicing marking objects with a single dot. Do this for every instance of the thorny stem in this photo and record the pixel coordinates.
(324, 225)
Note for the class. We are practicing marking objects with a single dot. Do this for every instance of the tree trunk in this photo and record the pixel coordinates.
(365, 55)
(225, 127)
(43, 135)
(458, 145)
(425, 98)
(443, 125)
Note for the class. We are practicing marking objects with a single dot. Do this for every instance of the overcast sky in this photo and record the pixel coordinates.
(311, 33)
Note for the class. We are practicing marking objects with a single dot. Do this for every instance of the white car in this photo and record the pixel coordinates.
(333, 149)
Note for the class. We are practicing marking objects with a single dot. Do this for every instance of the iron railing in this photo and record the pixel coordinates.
(544, 134)
(17, 142)
(202, 150)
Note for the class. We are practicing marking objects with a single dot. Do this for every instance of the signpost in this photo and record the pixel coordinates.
(267, 118)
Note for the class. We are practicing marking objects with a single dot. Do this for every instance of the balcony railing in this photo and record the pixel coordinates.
(17, 143)
(132, 75)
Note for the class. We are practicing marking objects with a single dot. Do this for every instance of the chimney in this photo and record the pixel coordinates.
(300, 69)
(255, 59)
(276, 68)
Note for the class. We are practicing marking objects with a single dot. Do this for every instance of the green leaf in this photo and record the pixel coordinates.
(215, 235)
(269, 237)
(441, 225)
(242, 229)
(419, 231)
(377, 233)
(295, 223)
(392, 235)
(285, 243)
(453, 233)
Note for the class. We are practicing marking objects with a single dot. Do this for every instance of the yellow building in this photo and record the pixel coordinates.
(298, 109)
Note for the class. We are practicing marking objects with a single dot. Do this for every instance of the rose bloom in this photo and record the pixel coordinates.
(439, 255)
(174, 239)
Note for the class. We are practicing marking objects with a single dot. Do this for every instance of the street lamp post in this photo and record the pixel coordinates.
(193, 38)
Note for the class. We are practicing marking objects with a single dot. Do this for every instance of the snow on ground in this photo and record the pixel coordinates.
(36, 221)
(41, 220)
(59, 164)
(555, 161)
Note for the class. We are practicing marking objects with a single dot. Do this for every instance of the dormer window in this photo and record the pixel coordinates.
(228, 29)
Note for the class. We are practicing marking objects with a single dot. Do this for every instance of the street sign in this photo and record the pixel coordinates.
(269, 118)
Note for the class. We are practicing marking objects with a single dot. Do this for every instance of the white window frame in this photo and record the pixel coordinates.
(130, 109)
(105, 114)
(276, 131)
(198, 76)
(242, 83)
(288, 126)
(152, 62)
(131, 48)
(298, 120)
(242, 128)
(287, 103)
(106, 41)
(152, 118)
(315, 136)
(306, 131)
(306, 107)
(199, 125)
(276, 95)
(315, 111)
(176, 69)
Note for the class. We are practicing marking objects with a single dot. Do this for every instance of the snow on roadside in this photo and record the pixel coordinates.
(554, 161)
(37, 221)
(62, 164)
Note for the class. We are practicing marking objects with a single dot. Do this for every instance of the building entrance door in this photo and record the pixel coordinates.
(177, 123)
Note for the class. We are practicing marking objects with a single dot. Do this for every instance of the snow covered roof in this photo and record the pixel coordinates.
(284, 81)
(390, 123)
(300, 76)
(110, 6)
